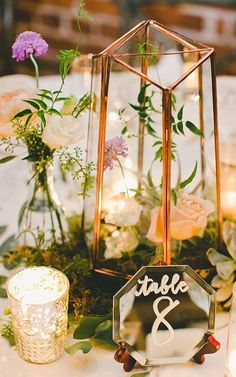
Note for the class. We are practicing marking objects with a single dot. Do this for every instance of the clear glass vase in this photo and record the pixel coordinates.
(41, 220)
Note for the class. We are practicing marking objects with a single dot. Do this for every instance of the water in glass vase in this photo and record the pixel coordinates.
(42, 219)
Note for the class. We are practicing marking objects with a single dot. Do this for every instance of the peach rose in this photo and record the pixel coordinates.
(187, 219)
(10, 104)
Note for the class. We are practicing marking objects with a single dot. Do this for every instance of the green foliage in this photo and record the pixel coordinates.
(3, 279)
(179, 123)
(6, 159)
(85, 347)
(144, 374)
(82, 105)
(187, 181)
(7, 245)
(66, 58)
(73, 162)
(145, 108)
(3, 293)
(149, 52)
(88, 325)
(7, 333)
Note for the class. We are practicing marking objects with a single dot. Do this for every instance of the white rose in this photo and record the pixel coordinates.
(61, 131)
(124, 240)
(122, 211)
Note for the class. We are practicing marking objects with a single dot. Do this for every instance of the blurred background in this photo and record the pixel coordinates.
(210, 21)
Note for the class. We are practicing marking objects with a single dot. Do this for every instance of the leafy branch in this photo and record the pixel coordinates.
(73, 162)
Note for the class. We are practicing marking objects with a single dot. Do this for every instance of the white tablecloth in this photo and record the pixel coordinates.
(99, 362)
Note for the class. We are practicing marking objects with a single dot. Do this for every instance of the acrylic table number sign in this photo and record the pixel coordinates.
(159, 308)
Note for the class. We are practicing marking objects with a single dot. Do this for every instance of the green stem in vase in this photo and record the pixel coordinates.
(36, 69)
(123, 175)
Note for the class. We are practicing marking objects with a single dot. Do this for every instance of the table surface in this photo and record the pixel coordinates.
(99, 362)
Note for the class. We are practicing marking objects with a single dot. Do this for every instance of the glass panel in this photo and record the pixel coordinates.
(163, 313)
(194, 227)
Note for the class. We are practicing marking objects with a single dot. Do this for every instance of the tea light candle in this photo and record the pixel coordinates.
(228, 180)
(232, 364)
(38, 299)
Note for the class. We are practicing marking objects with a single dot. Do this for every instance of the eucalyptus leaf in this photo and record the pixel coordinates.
(149, 179)
(6, 159)
(190, 178)
(180, 113)
(7, 245)
(41, 103)
(144, 374)
(141, 95)
(87, 326)
(3, 279)
(54, 111)
(180, 127)
(3, 293)
(42, 117)
(32, 103)
(124, 131)
(10, 339)
(193, 128)
(3, 229)
(22, 113)
(84, 346)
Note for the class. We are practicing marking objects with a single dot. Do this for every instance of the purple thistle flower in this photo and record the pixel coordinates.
(27, 43)
(114, 147)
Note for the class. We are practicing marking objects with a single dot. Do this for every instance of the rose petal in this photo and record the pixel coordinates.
(154, 233)
(182, 230)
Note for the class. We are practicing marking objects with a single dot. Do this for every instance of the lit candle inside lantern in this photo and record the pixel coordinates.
(232, 363)
(38, 299)
(228, 180)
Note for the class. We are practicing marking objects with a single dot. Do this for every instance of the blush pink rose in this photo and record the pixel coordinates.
(10, 104)
(187, 219)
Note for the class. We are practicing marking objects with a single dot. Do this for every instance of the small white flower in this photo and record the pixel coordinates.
(61, 131)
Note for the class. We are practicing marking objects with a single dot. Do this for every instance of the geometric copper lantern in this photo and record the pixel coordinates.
(154, 139)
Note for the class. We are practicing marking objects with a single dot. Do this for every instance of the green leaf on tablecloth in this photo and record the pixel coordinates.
(7, 310)
(87, 326)
(7, 245)
(7, 333)
(3, 279)
(145, 374)
(6, 159)
(3, 229)
(103, 332)
(10, 339)
(3, 293)
(85, 347)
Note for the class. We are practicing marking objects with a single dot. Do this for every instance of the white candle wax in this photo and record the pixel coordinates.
(232, 363)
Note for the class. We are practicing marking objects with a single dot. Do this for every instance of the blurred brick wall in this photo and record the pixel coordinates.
(56, 20)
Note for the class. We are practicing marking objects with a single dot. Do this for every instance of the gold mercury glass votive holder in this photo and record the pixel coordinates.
(38, 300)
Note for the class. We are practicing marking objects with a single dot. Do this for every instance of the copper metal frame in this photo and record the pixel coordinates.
(112, 54)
